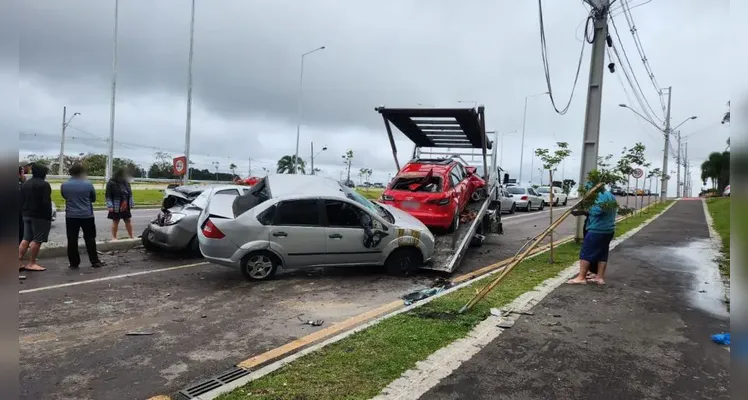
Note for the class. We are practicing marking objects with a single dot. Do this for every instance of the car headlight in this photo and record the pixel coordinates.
(173, 218)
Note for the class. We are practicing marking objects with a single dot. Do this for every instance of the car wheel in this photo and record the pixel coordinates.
(513, 209)
(403, 261)
(555, 202)
(529, 206)
(455, 223)
(194, 247)
(542, 206)
(259, 265)
(566, 200)
(146, 240)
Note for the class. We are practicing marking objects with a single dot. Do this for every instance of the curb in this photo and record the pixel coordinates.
(121, 244)
(275, 365)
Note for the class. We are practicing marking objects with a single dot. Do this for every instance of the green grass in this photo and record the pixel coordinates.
(719, 208)
(371, 194)
(361, 365)
(141, 197)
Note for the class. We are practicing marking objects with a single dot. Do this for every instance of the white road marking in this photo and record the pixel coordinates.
(534, 213)
(109, 278)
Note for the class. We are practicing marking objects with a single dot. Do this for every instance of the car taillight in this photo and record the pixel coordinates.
(386, 197)
(440, 202)
(523, 198)
(210, 231)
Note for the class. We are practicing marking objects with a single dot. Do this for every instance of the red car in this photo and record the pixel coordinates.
(434, 191)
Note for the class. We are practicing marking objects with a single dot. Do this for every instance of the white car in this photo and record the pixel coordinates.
(559, 197)
(727, 191)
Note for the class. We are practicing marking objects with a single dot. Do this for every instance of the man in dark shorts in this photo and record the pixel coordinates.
(36, 198)
(79, 195)
(600, 226)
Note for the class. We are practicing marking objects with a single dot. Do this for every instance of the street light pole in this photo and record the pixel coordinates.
(188, 125)
(313, 156)
(299, 108)
(663, 187)
(110, 158)
(522, 146)
(61, 161)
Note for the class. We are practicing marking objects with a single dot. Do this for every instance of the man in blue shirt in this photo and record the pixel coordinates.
(600, 227)
(79, 195)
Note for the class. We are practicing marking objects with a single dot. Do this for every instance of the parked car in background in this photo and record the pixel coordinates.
(508, 204)
(630, 192)
(434, 191)
(378, 185)
(559, 197)
(617, 191)
(526, 198)
(175, 226)
(304, 221)
(726, 192)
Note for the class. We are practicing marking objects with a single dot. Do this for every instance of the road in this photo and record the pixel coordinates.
(140, 218)
(198, 319)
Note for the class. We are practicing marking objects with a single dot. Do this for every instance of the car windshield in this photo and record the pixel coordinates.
(515, 190)
(368, 204)
(424, 183)
(544, 190)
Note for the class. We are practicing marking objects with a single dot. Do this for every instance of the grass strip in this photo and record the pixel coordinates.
(719, 208)
(141, 197)
(361, 365)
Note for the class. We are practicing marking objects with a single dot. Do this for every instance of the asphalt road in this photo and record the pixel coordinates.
(198, 319)
(140, 218)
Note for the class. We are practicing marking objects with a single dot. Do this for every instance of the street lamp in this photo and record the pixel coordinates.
(315, 155)
(65, 124)
(298, 108)
(522, 146)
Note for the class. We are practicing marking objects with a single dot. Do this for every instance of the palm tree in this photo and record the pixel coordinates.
(232, 167)
(717, 169)
(726, 116)
(286, 163)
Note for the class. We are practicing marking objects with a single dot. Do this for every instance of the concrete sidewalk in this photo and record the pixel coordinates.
(646, 335)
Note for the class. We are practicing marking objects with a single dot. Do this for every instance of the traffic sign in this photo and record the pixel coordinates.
(637, 173)
(179, 165)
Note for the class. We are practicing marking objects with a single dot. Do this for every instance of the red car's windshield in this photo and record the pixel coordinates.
(423, 183)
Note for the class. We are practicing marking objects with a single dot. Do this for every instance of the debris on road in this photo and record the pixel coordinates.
(439, 286)
(144, 332)
(721, 338)
(317, 322)
(506, 324)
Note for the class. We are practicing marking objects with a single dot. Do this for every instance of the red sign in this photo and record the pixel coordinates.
(179, 166)
(637, 173)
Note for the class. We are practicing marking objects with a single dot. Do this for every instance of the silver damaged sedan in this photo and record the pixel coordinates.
(304, 221)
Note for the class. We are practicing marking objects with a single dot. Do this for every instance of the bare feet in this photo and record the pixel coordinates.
(590, 275)
(35, 267)
(576, 281)
(599, 281)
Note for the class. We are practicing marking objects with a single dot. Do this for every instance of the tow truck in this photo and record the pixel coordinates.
(452, 133)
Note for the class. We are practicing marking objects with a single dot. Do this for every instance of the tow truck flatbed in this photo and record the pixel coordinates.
(451, 133)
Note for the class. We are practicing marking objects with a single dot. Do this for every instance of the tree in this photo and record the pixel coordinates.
(567, 185)
(348, 160)
(551, 162)
(726, 116)
(286, 163)
(232, 168)
(653, 174)
(717, 169)
(630, 159)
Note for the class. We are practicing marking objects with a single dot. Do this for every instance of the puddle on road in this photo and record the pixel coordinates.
(697, 258)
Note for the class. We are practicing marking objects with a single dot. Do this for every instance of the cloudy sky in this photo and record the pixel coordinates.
(396, 53)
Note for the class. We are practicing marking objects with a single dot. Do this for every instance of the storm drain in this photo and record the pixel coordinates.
(213, 383)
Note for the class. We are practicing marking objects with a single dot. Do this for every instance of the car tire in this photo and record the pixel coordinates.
(455, 223)
(147, 244)
(194, 247)
(555, 202)
(566, 200)
(542, 206)
(529, 206)
(513, 209)
(403, 261)
(267, 270)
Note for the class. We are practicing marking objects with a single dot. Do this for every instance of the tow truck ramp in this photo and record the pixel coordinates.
(452, 133)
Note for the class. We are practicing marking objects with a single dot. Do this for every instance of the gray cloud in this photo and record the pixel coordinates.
(397, 53)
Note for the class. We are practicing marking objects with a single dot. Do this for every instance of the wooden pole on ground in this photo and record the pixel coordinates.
(520, 257)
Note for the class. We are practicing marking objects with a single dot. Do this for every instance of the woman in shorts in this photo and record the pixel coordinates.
(119, 202)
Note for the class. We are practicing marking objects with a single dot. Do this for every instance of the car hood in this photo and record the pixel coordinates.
(403, 219)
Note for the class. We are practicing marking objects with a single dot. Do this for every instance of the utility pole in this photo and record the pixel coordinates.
(687, 178)
(249, 170)
(663, 187)
(312, 157)
(678, 187)
(62, 141)
(110, 158)
(188, 126)
(594, 99)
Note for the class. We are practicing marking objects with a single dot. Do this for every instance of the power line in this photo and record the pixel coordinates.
(546, 64)
(640, 48)
(636, 80)
(628, 98)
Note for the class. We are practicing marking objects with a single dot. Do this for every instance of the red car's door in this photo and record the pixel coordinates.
(460, 185)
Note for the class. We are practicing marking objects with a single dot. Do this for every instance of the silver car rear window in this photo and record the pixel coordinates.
(515, 190)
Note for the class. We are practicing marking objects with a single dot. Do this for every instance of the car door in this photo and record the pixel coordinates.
(506, 200)
(534, 197)
(457, 188)
(298, 233)
(345, 235)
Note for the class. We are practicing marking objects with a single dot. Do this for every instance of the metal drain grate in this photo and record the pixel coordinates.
(206, 386)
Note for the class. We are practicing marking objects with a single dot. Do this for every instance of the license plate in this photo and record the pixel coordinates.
(411, 204)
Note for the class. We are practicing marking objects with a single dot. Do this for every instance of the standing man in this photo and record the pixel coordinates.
(79, 195)
(36, 198)
(601, 225)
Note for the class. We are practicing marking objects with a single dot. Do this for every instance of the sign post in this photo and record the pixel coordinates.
(179, 166)
(637, 173)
